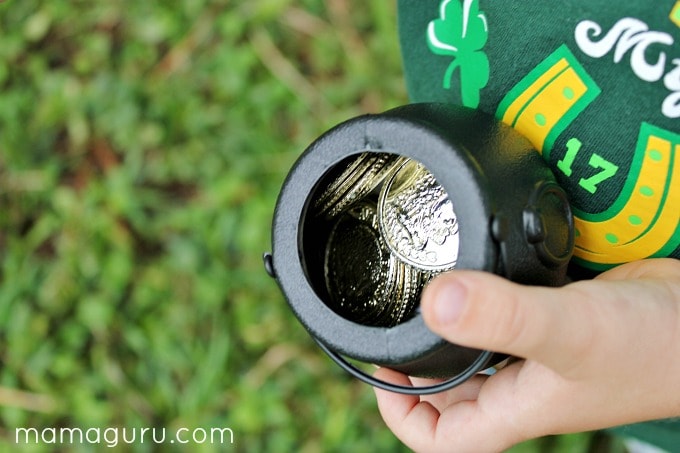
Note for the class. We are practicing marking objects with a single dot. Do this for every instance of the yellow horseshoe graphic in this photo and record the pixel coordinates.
(643, 222)
(548, 99)
(648, 220)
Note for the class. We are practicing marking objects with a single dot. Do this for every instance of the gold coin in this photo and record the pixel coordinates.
(356, 259)
(407, 294)
(367, 283)
(359, 179)
(417, 220)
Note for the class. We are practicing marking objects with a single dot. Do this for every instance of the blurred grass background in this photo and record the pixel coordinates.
(142, 147)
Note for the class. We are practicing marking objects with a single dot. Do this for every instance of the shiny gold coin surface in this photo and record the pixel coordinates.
(406, 294)
(361, 177)
(356, 259)
(366, 283)
(392, 228)
(417, 220)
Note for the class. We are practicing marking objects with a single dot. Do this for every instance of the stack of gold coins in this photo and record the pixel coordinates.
(361, 177)
(392, 229)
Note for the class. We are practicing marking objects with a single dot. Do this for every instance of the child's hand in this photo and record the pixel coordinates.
(599, 353)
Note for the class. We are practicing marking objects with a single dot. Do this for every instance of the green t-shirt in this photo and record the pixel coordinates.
(595, 86)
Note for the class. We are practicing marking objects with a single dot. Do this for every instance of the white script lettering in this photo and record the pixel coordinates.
(634, 36)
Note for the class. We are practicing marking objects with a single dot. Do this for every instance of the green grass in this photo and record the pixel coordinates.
(142, 147)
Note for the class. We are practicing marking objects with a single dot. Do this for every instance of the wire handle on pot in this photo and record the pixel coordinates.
(481, 363)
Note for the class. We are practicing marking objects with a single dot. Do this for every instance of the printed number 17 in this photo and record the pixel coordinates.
(596, 161)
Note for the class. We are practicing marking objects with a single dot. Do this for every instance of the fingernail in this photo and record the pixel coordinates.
(449, 301)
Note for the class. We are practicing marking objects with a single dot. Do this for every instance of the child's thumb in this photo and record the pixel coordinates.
(485, 311)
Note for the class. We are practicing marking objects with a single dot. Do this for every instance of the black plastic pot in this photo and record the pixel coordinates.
(513, 219)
